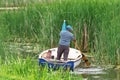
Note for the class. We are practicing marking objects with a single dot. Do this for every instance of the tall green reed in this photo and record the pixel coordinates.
(22, 69)
(15, 3)
(41, 22)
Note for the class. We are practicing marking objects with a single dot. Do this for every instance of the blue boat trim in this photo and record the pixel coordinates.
(57, 64)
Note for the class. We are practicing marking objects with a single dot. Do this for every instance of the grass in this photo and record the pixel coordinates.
(22, 69)
(41, 22)
(11, 3)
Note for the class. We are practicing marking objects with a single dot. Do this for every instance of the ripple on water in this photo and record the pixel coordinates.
(89, 71)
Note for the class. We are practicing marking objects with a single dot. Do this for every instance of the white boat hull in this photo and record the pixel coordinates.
(74, 58)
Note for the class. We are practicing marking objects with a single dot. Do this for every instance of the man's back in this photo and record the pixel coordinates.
(65, 38)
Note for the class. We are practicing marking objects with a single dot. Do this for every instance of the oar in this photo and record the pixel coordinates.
(83, 56)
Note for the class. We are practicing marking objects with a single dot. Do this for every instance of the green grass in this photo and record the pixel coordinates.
(24, 69)
(41, 22)
(12, 3)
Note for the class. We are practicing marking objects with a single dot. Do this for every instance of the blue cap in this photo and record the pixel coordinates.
(69, 28)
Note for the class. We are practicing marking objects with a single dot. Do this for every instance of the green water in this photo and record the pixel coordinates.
(92, 73)
(97, 73)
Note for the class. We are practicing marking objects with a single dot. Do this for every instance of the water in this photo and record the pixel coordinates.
(98, 73)
(92, 73)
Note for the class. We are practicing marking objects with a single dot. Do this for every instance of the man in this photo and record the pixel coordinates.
(65, 37)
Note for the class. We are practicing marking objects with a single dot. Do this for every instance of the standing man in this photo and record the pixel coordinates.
(65, 37)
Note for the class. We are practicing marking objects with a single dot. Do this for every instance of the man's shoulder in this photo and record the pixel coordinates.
(63, 32)
(70, 33)
(66, 32)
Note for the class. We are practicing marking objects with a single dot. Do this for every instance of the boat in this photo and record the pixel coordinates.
(74, 59)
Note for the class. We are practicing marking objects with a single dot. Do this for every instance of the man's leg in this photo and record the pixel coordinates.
(66, 52)
(59, 52)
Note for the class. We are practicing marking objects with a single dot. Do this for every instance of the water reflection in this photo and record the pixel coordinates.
(97, 73)
(92, 73)
(89, 71)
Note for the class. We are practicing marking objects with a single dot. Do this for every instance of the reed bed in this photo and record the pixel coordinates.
(23, 69)
(12, 3)
(41, 22)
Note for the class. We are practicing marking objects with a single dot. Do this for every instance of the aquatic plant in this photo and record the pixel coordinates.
(41, 22)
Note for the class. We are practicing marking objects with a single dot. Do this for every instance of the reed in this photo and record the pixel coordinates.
(11, 3)
(22, 69)
(41, 22)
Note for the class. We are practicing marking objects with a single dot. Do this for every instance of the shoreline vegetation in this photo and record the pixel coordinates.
(9, 8)
(96, 25)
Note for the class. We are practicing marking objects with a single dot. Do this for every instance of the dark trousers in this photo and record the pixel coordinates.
(62, 49)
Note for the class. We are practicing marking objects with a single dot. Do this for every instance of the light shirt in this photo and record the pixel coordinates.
(65, 38)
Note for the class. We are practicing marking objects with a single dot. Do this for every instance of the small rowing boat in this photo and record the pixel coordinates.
(74, 59)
